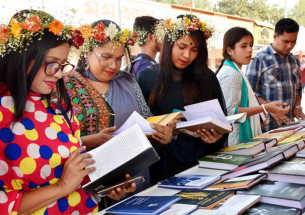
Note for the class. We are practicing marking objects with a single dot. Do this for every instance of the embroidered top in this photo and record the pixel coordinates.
(33, 151)
(275, 79)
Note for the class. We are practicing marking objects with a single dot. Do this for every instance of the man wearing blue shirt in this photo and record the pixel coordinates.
(274, 74)
(149, 43)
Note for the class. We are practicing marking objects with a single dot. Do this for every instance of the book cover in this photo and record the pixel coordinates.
(296, 127)
(278, 135)
(143, 205)
(223, 161)
(180, 209)
(206, 199)
(208, 122)
(270, 209)
(243, 182)
(296, 136)
(301, 154)
(163, 119)
(188, 181)
(278, 192)
(128, 152)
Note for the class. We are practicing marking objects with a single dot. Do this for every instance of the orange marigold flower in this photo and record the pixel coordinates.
(86, 31)
(169, 25)
(99, 32)
(32, 24)
(15, 27)
(4, 33)
(55, 27)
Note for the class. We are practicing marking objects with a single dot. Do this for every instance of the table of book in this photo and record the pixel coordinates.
(196, 170)
(156, 191)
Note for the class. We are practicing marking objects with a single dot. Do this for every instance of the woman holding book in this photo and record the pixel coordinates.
(103, 97)
(182, 78)
(42, 163)
(240, 98)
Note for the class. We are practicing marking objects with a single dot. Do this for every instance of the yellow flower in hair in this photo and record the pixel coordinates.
(186, 21)
(124, 37)
(16, 28)
(55, 27)
(203, 26)
(86, 31)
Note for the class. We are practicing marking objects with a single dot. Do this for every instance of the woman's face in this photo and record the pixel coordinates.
(105, 61)
(241, 54)
(184, 52)
(42, 83)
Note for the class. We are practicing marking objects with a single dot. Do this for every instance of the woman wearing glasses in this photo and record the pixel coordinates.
(102, 96)
(42, 163)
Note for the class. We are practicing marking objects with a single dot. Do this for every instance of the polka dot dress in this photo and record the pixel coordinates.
(32, 154)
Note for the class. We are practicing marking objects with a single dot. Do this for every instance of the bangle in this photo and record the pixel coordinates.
(298, 107)
(266, 112)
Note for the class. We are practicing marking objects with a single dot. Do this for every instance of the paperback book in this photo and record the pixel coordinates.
(270, 209)
(188, 182)
(237, 183)
(205, 199)
(144, 205)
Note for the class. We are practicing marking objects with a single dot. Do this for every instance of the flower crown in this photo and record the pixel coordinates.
(178, 27)
(18, 35)
(96, 36)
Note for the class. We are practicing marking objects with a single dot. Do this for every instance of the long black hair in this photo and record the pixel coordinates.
(231, 37)
(14, 66)
(195, 76)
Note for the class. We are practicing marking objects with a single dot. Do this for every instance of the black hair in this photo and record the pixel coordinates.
(231, 37)
(195, 76)
(286, 25)
(14, 66)
(145, 24)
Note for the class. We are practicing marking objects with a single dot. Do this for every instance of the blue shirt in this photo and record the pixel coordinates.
(275, 79)
(142, 64)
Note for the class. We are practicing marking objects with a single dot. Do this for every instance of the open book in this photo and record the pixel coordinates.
(128, 152)
(207, 115)
(135, 117)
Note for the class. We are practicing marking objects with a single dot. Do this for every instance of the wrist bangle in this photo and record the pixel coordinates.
(266, 112)
(298, 107)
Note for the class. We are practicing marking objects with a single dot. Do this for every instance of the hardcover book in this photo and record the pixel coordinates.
(180, 209)
(223, 161)
(128, 152)
(252, 147)
(279, 193)
(288, 171)
(278, 135)
(205, 199)
(188, 181)
(144, 205)
(296, 136)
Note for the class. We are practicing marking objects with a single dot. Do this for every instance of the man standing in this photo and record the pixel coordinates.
(274, 74)
(149, 43)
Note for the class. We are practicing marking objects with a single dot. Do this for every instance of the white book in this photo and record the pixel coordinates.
(235, 205)
(128, 151)
(180, 209)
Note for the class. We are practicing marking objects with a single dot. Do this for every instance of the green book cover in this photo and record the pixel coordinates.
(225, 158)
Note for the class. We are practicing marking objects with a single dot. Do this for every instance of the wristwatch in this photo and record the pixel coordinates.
(298, 107)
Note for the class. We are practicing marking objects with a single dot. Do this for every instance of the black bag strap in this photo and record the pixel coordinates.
(65, 115)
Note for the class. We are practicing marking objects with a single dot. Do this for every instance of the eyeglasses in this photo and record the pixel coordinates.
(52, 68)
(107, 61)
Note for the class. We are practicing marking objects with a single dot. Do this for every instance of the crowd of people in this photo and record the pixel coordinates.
(52, 112)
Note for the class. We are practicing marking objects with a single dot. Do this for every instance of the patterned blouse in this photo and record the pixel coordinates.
(33, 151)
(91, 108)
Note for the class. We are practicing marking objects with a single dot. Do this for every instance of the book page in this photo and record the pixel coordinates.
(134, 118)
(240, 117)
(192, 115)
(211, 106)
(118, 151)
